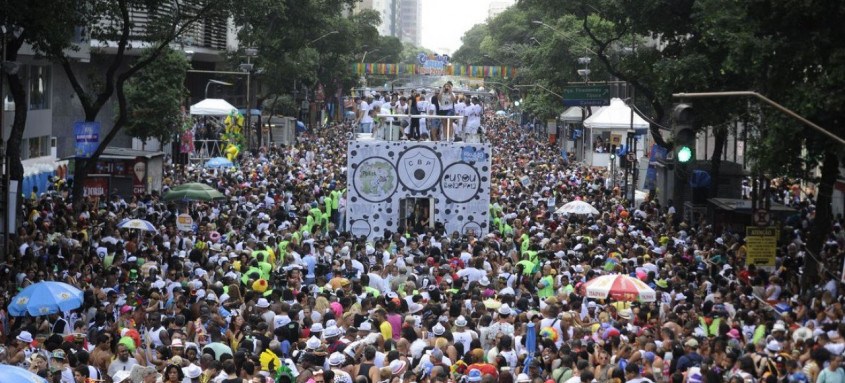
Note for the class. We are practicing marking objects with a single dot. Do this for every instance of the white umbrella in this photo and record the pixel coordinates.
(577, 207)
(138, 224)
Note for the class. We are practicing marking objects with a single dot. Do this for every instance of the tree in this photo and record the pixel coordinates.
(31, 22)
(113, 22)
(154, 97)
(799, 62)
(470, 51)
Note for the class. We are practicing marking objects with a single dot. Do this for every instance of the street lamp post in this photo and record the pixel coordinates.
(327, 34)
(248, 67)
(365, 54)
(218, 82)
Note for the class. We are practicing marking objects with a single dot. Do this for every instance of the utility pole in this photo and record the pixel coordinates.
(4, 162)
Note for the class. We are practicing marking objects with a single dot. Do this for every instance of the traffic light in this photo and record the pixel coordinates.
(683, 133)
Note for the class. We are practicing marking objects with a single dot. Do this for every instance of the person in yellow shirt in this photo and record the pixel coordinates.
(380, 317)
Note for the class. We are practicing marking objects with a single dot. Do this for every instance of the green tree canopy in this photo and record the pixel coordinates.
(154, 97)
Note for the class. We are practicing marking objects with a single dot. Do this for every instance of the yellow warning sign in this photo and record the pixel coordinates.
(761, 243)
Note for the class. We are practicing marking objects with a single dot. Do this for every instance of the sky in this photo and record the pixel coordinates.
(445, 21)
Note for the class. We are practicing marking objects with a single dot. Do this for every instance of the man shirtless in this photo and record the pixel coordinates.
(101, 356)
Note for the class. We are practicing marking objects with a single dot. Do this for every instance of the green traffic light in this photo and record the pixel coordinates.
(684, 154)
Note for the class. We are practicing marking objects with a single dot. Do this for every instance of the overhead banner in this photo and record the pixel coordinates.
(87, 134)
(478, 71)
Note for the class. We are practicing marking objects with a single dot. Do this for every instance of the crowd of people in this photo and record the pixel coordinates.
(272, 288)
(404, 111)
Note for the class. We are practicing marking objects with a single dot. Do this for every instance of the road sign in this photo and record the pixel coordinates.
(761, 243)
(761, 217)
(586, 95)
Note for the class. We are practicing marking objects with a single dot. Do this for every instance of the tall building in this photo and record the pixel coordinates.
(497, 7)
(388, 11)
(410, 21)
(399, 18)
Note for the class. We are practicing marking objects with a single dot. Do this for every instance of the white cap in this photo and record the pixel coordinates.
(336, 359)
(313, 343)
(316, 327)
(438, 329)
(461, 321)
(331, 331)
(484, 282)
(505, 309)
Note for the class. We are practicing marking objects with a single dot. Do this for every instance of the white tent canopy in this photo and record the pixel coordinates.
(572, 114)
(212, 107)
(615, 116)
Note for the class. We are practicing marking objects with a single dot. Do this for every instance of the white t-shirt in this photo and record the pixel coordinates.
(365, 112)
(447, 101)
(422, 106)
(473, 113)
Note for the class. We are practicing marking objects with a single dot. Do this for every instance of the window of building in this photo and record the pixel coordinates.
(39, 87)
(38, 146)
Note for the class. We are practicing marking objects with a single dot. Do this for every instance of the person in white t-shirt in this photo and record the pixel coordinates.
(364, 120)
(472, 118)
(422, 106)
(460, 109)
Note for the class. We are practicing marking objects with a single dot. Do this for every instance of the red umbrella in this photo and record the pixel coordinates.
(619, 287)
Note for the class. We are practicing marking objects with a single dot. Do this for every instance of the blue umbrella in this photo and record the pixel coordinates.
(530, 344)
(17, 374)
(300, 127)
(219, 162)
(45, 298)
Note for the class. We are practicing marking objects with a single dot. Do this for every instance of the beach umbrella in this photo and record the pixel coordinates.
(137, 224)
(619, 287)
(577, 207)
(45, 298)
(219, 162)
(17, 374)
(219, 349)
(193, 191)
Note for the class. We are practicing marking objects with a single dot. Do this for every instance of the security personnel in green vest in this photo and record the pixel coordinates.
(524, 242)
(546, 284)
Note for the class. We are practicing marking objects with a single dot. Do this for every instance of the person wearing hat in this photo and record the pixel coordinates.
(336, 363)
(691, 356)
(58, 362)
(462, 334)
(22, 350)
(332, 337)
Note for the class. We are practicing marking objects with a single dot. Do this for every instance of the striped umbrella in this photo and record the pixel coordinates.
(138, 224)
(619, 287)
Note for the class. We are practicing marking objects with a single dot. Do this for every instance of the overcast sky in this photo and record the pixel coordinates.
(445, 21)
